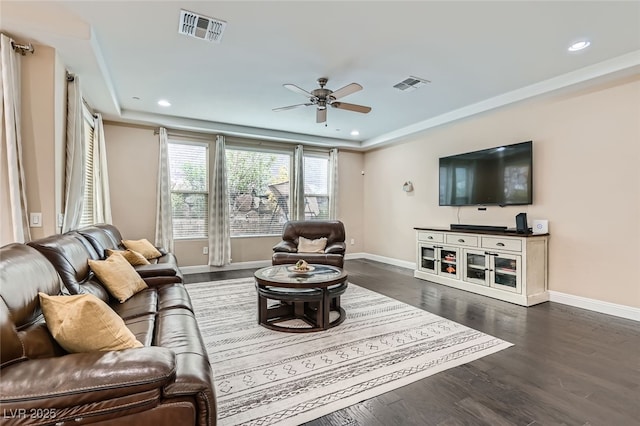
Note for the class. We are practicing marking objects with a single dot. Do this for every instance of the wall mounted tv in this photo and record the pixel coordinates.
(500, 176)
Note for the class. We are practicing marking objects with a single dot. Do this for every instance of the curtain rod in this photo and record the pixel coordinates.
(22, 48)
(235, 140)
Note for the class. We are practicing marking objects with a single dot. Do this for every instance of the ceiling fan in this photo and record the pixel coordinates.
(322, 98)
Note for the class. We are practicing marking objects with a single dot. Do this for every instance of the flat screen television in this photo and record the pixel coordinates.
(500, 176)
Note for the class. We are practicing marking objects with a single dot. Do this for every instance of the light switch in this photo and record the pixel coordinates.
(35, 220)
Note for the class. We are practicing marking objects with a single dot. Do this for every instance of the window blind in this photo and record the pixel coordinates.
(188, 171)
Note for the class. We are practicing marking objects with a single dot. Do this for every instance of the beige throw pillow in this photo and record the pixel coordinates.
(118, 276)
(84, 323)
(143, 246)
(306, 245)
(133, 257)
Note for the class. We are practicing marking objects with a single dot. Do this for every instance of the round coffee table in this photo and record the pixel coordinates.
(309, 297)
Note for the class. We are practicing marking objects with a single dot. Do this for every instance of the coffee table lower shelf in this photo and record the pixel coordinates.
(312, 306)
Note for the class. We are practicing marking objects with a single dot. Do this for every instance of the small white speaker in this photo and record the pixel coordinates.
(540, 226)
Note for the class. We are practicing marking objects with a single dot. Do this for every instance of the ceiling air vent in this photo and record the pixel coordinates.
(202, 27)
(411, 83)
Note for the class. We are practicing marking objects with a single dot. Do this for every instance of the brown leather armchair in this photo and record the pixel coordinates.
(286, 251)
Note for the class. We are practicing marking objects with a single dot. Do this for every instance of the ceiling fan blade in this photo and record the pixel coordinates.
(291, 107)
(321, 115)
(346, 90)
(351, 107)
(296, 89)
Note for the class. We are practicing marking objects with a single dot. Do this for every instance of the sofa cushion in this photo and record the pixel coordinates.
(118, 276)
(142, 327)
(100, 239)
(133, 257)
(171, 296)
(306, 245)
(84, 323)
(69, 254)
(24, 272)
(144, 247)
(141, 303)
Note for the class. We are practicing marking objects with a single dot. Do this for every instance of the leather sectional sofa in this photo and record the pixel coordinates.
(169, 381)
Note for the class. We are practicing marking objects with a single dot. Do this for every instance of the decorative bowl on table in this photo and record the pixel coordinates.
(295, 270)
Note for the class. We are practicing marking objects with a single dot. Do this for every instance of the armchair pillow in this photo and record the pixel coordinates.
(118, 276)
(84, 323)
(144, 247)
(306, 245)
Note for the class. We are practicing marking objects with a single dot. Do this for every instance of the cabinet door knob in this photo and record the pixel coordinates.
(500, 244)
(460, 240)
(429, 238)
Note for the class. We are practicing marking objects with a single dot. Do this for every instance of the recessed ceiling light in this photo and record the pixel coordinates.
(579, 45)
(164, 103)
(355, 133)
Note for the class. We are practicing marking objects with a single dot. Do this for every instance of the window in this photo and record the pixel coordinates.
(316, 187)
(86, 219)
(188, 174)
(258, 183)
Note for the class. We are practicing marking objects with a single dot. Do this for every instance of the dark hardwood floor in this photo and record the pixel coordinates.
(568, 366)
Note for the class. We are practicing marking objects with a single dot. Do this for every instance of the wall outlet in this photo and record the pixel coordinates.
(205, 250)
(353, 241)
(35, 220)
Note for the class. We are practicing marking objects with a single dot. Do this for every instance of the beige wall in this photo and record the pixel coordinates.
(132, 155)
(43, 128)
(586, 183)
(132, 158)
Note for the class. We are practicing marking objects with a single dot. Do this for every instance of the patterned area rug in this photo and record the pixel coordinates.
(266, 377)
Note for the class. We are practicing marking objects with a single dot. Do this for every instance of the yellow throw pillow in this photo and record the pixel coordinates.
(306, 245)
(118, 276)
(143, 246)
(84, 323)
(133, 257)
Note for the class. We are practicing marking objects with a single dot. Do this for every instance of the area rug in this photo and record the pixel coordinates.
(266, 377)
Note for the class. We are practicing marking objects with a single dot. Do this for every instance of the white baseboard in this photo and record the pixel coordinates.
(382, 259)
(608, 308)
(622, 311)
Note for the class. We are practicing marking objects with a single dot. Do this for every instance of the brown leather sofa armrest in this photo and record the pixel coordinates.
(285, 247)
(156, 269)
(338, 248)
(86, 378)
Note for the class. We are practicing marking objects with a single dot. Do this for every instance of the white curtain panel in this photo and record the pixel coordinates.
(164, 215)
(14, 223)
(297, 190)
(101, 197)
(333, 183)
(219, 224)
(74, 158)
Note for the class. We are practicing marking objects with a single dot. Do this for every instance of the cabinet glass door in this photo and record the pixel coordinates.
(506, 272)
(448, 262)
(428, 258)
(477, 267)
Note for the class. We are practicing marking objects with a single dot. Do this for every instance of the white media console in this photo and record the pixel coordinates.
(503, 265)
